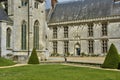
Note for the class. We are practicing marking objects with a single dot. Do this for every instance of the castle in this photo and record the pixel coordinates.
(84, 27)
(74, 27)
(23, 27)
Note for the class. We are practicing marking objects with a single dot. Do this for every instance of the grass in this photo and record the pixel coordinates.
(56, 72)
(6, 62)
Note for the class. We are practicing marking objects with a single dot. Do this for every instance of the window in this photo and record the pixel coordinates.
(55, 47)
(104, 46)
(90, 30)
(8, 38)
(36, 35)
(66, 45)
(24, 34)
(116, 0)
(55, 32)
(36, 5)
(65, 32)
(104, 29)
(24, 2)
(91, 46)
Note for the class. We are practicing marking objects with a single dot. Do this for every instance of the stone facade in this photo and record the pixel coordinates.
(3, 28)
(79, 41)
(18, 12)
(81, 31)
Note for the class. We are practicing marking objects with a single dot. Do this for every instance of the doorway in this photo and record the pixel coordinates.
(77, 49)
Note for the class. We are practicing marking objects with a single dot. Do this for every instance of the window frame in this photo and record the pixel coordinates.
(24, 2)
(36, 4)
(66, 33)
(55, 32)
(104, 44)
(8, 38)
(90, 46)
(66, 47)
(55, 47)
(104, 29)
(36, 35)
(90, 30)
(24, 35)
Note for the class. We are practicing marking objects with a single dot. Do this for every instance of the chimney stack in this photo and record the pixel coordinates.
(53, 3)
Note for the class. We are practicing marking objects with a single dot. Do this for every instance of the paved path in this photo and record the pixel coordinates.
(78, 59)
(13, 65)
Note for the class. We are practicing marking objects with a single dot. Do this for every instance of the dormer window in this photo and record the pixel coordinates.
(24, 2)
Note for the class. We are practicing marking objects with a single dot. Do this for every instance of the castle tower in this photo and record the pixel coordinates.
(28, 25)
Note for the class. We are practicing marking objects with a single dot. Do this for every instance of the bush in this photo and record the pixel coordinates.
(112, 59)
(6, 62)
(55, 54)
(119, 66)
(94, 55)
(33, 58)
(83, 54)
(67, 54)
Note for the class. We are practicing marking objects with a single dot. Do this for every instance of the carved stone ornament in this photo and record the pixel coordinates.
(41, 1)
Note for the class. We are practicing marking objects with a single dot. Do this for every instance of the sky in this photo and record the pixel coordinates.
(48, 2)
(64, 0)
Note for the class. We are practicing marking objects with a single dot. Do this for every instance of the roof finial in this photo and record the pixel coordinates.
(53, 2)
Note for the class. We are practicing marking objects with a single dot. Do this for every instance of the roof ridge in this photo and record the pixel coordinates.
(69, 1)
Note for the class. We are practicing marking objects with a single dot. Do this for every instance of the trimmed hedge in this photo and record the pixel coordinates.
(33, 58)
(112, 59)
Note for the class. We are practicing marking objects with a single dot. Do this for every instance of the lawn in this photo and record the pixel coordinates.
(56, 72)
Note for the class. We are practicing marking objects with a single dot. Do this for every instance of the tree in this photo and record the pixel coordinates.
(112, 59)
(33, 58)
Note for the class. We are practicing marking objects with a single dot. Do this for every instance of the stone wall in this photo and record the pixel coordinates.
(4, 49)
(81, 30)
(20, 14)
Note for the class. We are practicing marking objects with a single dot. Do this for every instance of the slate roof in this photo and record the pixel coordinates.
(84, 9)
(3, 15)
(47, 12)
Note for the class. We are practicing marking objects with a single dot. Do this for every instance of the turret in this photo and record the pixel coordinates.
(4, 4)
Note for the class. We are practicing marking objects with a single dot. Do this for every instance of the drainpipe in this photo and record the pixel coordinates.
(0, 41)
(28, 27)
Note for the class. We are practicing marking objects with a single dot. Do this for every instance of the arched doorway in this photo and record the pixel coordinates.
(77, 49)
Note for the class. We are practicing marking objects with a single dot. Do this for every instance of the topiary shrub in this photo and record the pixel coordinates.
(112, 58)
(33, 58)
(119, 66)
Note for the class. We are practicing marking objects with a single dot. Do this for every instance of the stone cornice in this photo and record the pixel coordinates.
(72, 39)
(110, 19)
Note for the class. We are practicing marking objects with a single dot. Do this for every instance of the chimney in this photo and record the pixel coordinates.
(53, 3)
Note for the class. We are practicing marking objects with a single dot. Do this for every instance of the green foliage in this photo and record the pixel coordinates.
(83, 54)
(112, 59)
(55, 54)
(67, 54)
(0, 5)
(6, 62)
(33, 58)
